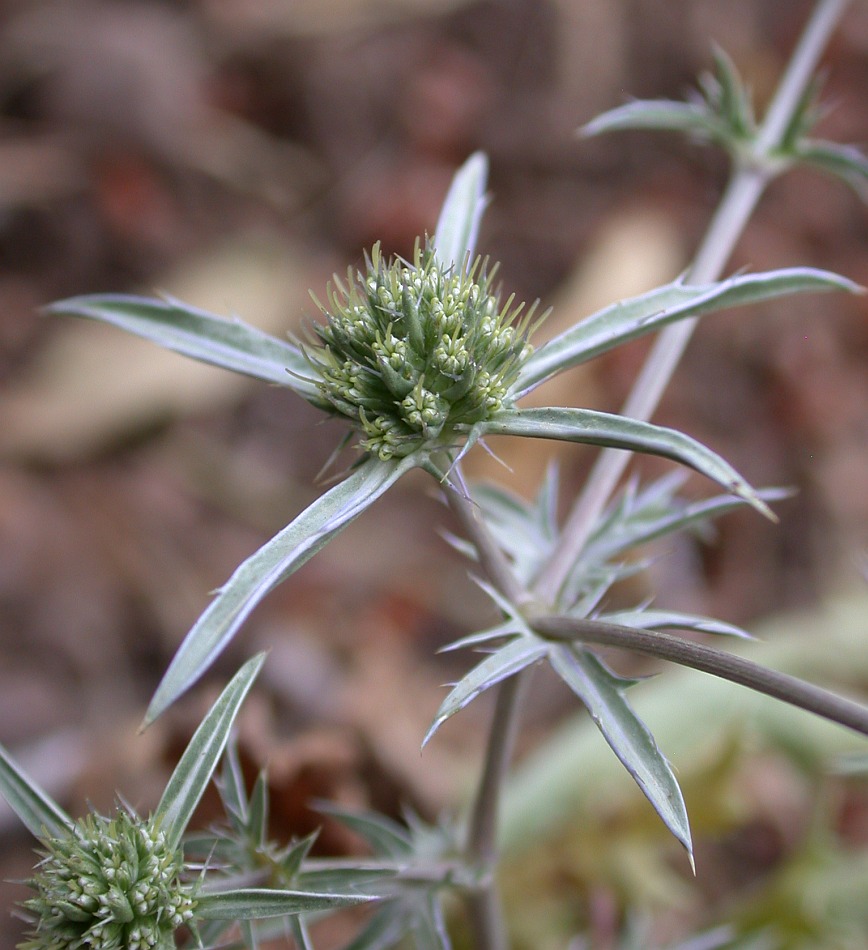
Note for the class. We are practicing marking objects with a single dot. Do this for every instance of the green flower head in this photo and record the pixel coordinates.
(111, 884)
(414, 353)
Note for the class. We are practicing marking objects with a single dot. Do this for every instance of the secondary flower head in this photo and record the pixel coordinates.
(415, 352)
(111, 884)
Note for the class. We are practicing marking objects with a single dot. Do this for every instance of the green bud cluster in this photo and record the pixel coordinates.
(111, 884)
(414, 353)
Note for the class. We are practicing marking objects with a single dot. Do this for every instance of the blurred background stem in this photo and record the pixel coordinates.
(747, 183)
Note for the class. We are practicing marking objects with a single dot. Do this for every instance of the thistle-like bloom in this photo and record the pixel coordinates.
(413, 353)
(110, 884)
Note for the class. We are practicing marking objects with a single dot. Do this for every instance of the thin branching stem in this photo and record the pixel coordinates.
(486, 914)
(743, 192)
(707, 659)
(483, 900)
(491, 558)
(745, 188)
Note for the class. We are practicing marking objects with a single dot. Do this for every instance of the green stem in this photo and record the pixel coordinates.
(483, 899)
(491, 558)
(486, 913)
(745, 188)
(727, 666)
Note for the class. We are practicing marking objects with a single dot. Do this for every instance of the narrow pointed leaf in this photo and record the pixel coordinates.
(525, 531)
(505, 662)
(602, 693)
(204, 336)
(629, 319)
(606, 429)
(429, 929)
(233, 791)
(507, 629)
(39, 813)
(458, 225)
(361, 878)
(268, 567)
(213, 936)
(662, 114)
(619, 538)
(298, 929)
(382, 833)
(383, 931)
(258, 819)
(649, 619)
(842, 161)
(293, 858)
(248, 932)
(729, 98)
(257, 903)
(196, 766)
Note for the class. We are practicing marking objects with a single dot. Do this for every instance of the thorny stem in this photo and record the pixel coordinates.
(745, 188)
(727, 666)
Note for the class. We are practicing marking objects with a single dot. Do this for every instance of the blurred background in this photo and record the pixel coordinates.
(234, 154)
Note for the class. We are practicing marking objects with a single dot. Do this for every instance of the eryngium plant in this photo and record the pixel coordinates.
(122, 882)
(411, 352)
(108, 884)
(423, 361)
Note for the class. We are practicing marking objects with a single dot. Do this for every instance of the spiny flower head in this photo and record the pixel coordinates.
(415, 352)
(111, 884)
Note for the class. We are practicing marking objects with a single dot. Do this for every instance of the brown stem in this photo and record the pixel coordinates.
(727, 666)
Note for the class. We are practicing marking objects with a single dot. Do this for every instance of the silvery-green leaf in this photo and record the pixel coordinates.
(429, 927)
(629, 319)
(655, 522)
(842, 161)
(503, 663)
(251, 903)
(196, 766)
(273, 563)
(602, 693)
(854, 764)
(177, 326)
(257, 822)
(506, 629)
(636, 505)
(298, 930)
(509, 609)
(587, 585)
(383, 931)
(458, 225)
(212, 934)
(416, 915)
(721, 112)
(526, 531)
(233, 791)
(606, 429)
(663, 114)
(648, 619)
(248, 932)
(728, 97)
(383, 834)
(362, 877)
(39, 813)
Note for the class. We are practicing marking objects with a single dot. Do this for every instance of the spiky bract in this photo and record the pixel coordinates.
(413, 353)
(111, 884)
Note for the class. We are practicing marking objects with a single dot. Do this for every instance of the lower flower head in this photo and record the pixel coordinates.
(112, 884)
(413, 353)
